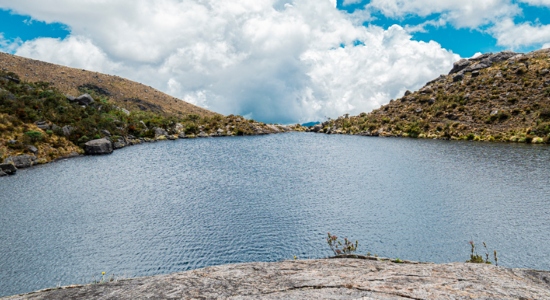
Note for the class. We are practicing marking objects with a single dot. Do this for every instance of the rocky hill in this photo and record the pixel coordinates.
(493, 97)
(123, 92)
(322, 279)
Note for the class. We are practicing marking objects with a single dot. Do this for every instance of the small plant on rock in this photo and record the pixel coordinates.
(478, 259)
(339, 247)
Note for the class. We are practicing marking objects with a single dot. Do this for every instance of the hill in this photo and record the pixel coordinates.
(493, 97)
(41, 121)
(123, 92)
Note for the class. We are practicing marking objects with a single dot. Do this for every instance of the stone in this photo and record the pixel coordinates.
(105, 132)
(458, 77)
(340, 278)
(21, 161)
(159, 132)
(32, 149)
(317, 128)
(544, 72)
(2, 173)
(202, 134)
(459, 66)
(418, 110)
(84, 99)
(98, 147)
(121, 143)
(179, 128)
(476, 67)
(8, 168)
(494, 112)
(125, 111)
(70, 98)
(67, 130)
(475, 73)
(42, 125)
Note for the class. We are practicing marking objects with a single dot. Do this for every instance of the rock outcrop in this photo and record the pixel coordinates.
(8, 168)
(494, 97)
(98, 147)
(21, 161)
(322, 279)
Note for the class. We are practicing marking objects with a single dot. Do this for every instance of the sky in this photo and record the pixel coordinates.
(277, 61)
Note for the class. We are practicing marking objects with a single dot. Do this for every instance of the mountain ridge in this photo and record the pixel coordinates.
(494, 97)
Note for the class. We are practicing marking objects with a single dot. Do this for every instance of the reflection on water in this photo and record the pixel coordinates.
(174, 206)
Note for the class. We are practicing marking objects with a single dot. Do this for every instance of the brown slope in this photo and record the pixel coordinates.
(125, 93)
(495, 97)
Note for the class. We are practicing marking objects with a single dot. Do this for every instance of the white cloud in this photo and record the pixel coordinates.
(537, 2)
(461, 14)
(7, 45)
(513, 35)
(545, 46)
(274, 60)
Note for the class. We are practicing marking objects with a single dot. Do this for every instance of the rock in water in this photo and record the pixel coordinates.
(98, 147)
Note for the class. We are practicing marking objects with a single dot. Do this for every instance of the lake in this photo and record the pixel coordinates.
(179, 205)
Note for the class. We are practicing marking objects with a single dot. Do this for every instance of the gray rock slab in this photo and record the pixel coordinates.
(322, 279)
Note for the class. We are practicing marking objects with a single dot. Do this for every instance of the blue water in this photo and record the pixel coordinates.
(174, 206)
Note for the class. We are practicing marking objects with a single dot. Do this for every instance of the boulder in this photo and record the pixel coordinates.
(317, 128)
(8, 168)
(84, 99)
(120, 143)
(21, 161)
(2, 173)
(32, 149)
(179, 128)
(459, 66)
(105, 132)
(98, 147)
(42, 125)
(202, 134)
(458, 77)
(67, 130)
(159, 132)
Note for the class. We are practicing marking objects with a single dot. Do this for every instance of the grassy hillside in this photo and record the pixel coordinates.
(122, 92)
(38, 120)
(494, 97)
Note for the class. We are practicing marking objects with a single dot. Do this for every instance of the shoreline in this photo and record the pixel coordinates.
(334, 278)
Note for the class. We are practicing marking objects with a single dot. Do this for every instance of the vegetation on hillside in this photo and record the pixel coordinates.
(38, 119)
(507, 100)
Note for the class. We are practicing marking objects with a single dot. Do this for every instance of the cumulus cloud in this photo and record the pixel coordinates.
(280, 61)
(9, 45)
(461, 14)
(513, 35)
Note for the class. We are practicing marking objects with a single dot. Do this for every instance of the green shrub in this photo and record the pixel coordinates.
(34, 136)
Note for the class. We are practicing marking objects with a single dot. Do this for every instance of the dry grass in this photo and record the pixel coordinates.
(123, 92)
(509, 101)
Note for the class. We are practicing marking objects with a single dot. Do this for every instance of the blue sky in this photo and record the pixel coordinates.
(281, 61)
